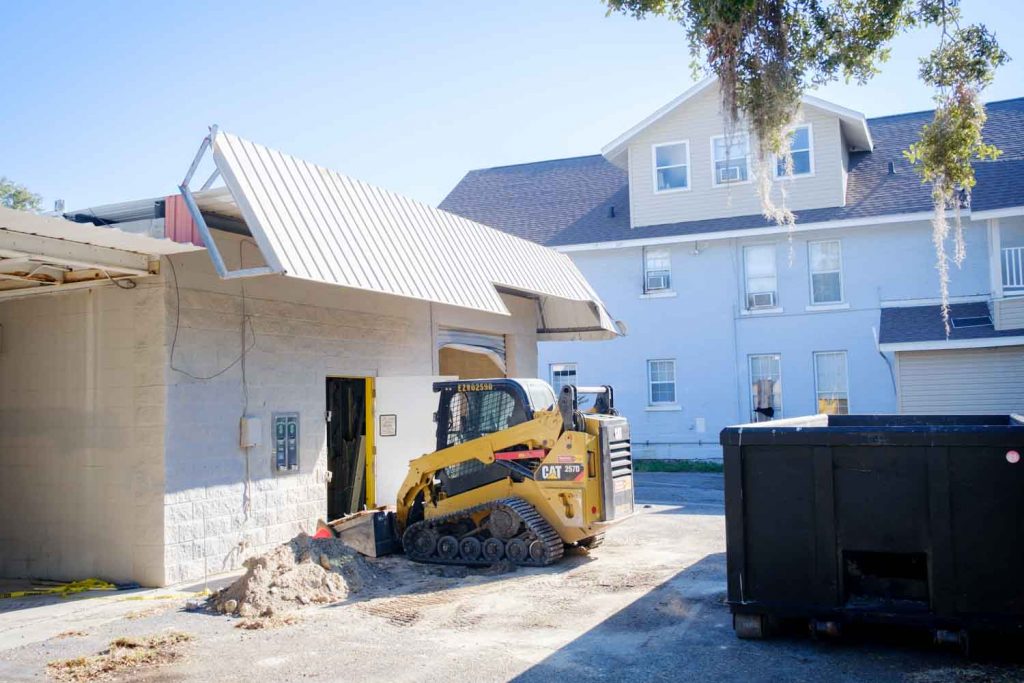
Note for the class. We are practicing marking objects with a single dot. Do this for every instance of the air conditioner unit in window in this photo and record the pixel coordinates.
(761, 300)
(728, 174)
(656, 282)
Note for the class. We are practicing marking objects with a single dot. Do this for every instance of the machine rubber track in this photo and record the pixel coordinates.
(431, 540)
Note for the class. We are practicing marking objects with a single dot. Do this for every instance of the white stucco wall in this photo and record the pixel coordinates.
(81, 434)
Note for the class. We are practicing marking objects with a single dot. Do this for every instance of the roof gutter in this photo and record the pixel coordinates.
(749, 232)
(951, 344)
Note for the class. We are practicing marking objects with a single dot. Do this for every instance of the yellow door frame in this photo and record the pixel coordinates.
(370, 472)
(371, 449)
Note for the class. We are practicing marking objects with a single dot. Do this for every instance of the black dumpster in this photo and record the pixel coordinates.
(904, 519)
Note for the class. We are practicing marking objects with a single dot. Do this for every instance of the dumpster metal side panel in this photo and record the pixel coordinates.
(987, 505)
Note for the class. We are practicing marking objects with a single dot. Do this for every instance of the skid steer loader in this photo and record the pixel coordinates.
(517, 474)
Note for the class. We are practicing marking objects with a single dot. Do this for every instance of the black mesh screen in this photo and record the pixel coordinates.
(473, 414)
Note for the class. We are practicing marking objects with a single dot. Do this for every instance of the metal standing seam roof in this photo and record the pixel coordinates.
(316, 224)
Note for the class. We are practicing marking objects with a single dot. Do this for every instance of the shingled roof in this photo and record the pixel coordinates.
(586, 199)
(916, 324)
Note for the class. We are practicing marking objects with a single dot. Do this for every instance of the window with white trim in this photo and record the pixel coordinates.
(760, 277)
(731, 156)
(661, 382)
(765, 387)
(830, 383)
(657, 269)
(825, 263)
(562, 374)
(671, 166)
(800, 150)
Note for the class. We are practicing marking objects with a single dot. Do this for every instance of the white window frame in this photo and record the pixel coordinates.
(552, 367)
(811, 273)
(648, 270)
(655, 168)
(746, 280)
(750, 386)
(650, 383)
(810, 151)
(846, 371)
(714, 174)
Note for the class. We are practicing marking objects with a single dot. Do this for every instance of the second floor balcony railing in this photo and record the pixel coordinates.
(1013, 270)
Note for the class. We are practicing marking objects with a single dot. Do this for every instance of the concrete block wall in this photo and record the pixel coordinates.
(222, 504)
(82, 398)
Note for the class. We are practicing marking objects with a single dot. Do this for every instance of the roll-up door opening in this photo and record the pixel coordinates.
(470, 355)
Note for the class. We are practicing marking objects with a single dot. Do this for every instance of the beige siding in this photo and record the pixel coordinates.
(962, 380)
(1008, 314)
(698, 120)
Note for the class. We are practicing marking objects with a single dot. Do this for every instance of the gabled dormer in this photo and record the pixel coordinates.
(683, 167)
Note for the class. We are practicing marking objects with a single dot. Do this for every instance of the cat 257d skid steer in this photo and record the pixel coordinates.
(517, 474)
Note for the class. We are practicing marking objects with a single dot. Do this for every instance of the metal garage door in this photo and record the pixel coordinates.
(989, 380)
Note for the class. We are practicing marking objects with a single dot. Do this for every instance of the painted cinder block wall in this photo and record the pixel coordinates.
(117, 465)
(304, 333)
(704, 329)
(82, 394)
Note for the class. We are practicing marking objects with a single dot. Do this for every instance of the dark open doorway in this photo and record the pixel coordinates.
(347, 445)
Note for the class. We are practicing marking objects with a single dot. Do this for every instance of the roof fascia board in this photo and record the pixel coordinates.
(749, 232)
(952, 344)
(1005, 212)
(855, 117)
(614, 147)
(74, 254)
(917, 303)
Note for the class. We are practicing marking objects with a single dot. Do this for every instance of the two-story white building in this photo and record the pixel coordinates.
(733, 318)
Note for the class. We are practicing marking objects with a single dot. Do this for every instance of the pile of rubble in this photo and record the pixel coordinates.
(304, 571)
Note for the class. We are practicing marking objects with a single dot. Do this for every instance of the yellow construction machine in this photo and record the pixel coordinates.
(517, 474)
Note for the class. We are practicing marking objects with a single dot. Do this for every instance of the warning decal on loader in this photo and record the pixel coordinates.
(572, 472)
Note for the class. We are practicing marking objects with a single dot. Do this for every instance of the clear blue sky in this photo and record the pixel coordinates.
(107, 101)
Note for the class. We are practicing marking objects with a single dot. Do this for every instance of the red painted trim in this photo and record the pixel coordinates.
(519, 455)
(178, 223)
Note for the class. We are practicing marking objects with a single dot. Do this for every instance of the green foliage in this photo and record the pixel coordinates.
(15, 196)
(767, 53)
(654, 465)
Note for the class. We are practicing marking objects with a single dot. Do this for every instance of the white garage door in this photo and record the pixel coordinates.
(962, 381)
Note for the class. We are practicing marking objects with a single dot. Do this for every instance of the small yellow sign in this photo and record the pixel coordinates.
(476, 386)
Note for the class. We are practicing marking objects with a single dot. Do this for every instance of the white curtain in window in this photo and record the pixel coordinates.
(759, 265)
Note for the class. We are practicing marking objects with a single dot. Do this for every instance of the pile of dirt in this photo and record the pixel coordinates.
(303, 571)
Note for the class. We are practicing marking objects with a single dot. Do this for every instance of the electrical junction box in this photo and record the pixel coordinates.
(250, 432)
(286, 441)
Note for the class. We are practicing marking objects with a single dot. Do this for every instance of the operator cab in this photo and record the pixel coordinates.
(469, 409)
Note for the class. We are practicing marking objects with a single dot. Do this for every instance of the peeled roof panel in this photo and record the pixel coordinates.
(320, 225)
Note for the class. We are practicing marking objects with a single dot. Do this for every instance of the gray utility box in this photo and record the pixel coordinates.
(915, 520)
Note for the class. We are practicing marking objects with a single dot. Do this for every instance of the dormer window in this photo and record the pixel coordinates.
(732, 159)
(800, 146)
(671, 166)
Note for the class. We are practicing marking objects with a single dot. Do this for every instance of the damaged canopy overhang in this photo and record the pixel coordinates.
(315, 224)
(42, 254)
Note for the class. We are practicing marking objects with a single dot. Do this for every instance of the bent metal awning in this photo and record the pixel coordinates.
(40, 254)
(315, 224)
